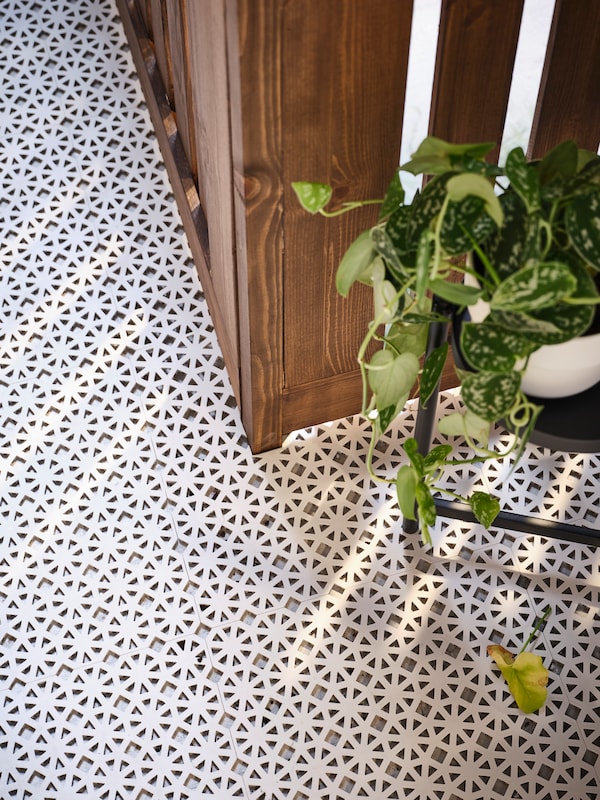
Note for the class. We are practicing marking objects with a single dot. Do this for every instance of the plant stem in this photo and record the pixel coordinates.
(349, 207)
(535, 631)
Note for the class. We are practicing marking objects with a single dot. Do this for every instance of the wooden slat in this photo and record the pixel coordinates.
(177, 166)
(475, 56)
(182, 91)
(343, 90)
(145, 10)
(568, 104)
(160, 37)
(255, 66)
(212, 135)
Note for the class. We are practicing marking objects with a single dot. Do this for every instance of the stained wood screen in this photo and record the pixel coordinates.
(249, 95)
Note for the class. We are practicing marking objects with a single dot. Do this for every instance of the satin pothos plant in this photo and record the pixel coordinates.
(528, 234)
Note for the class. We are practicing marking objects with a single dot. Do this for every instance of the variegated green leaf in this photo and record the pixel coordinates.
(312, 196)
(515, 242)
(423, 266)
(394, 197)
(434, 156)
(465, 223)
(583, 226)
(557, 323)
(385, 247)
(437, 457)
(491, 348)
(468, 184)
(524, 178)
(540, 330)
(490, 395)
(397, 228)
(486, 507)
(432, 371)
(564, 321)
(411, 448)
(425, 504)
(588, 175)
(534, 287)
(386, 416)
(424, 210)
(426, 510)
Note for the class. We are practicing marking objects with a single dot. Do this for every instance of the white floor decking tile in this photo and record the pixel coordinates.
(180, 619)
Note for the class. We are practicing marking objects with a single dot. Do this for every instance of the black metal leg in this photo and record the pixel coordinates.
(426, 415)
(424, 427)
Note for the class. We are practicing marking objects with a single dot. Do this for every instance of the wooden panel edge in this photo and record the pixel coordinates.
(178, 170)
(336, 397)
(255, 65)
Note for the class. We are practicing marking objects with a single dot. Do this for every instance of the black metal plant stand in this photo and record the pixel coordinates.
(570, 424)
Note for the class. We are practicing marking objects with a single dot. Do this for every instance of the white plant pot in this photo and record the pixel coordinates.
(561, 370)
(555, 370)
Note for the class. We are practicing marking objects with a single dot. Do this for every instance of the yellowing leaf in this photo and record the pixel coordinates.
(525, 675)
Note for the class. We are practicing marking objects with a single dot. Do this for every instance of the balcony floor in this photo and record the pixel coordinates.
(180, 618)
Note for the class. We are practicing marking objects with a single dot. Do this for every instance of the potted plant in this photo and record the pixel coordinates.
(527, 239)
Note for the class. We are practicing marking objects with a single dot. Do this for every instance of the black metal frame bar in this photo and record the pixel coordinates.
(424, 425)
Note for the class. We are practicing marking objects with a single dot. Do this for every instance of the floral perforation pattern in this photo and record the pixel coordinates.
(181, 619)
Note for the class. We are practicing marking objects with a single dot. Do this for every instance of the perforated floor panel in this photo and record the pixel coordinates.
(180, 619)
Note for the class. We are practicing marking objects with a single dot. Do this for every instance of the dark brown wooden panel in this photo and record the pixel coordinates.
(255, 68)
(343, 95)
(475, 56)
(569, 100)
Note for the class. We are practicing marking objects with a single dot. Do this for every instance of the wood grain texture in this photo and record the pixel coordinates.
(212, 135)
(255, 69)
(182, 90)
(475, 57)
(568, 104)
(344, 80)
(180, 175)
(160, 38)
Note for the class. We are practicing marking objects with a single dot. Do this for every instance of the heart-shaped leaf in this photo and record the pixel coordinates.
(490, 395)
(312, 196)
(524, 178)
(434, 155)
(394, 197)
(466, 184)
(356, 263)
(536, 286)
(491, 348)
(465, 423)
(391, 376)
(525, 675)
(406, 484)
(485, 507)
